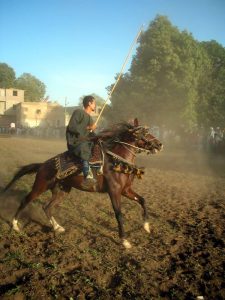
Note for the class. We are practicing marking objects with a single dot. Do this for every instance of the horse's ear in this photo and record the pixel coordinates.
(136, 122)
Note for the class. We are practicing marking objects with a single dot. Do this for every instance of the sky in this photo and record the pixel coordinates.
(76, 47)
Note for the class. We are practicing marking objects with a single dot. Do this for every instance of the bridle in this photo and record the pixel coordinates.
(132, 148)
(136, 149)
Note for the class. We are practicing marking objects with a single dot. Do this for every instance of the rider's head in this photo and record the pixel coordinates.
(88, 100)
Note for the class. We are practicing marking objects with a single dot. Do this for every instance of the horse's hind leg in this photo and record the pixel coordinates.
(31, 196)
(57, 195)
(130, 194)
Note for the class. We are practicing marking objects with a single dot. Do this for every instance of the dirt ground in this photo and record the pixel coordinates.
(182, 257)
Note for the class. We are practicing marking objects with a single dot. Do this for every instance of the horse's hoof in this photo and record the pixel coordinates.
(57, 228)
(126, 244)
(15, 225)
(60, 229)
(147, 227)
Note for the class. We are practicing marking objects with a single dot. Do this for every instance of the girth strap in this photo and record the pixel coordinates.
(116, 156)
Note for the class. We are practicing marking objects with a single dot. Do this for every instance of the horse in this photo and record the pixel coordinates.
(119, 145)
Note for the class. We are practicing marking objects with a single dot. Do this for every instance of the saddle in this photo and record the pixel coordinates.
(67, 164)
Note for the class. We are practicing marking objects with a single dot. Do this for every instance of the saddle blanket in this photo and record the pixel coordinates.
(67, 164)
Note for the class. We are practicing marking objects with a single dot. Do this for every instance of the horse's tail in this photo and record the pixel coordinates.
(28, 169)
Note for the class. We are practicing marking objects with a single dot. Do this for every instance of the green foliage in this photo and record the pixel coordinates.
(173, 80)
(7, 76)
(212, 91)
(34, 88)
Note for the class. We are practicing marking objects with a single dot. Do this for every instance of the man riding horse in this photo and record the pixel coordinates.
(77, 134)
(121, 144)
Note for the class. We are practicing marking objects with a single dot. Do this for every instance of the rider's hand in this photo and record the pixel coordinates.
(92, 127)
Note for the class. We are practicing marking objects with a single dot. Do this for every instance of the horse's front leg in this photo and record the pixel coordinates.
(130, 194)
(57, 196)
(115, 197)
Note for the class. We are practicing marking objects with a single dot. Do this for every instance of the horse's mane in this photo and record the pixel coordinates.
(114, 132)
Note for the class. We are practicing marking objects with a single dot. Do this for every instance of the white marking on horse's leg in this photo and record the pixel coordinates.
(147, 227)
(56, 226)
(15, 225)
(126, 244)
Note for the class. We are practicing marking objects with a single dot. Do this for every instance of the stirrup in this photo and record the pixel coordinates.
(100, 170)
(90, 174)
(89, 183)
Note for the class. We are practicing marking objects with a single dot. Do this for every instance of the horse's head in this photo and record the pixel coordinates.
(144, 140)
(139, 137)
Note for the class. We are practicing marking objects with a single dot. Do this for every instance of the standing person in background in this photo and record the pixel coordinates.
(210, 139)
(12, 128)
(78, 130)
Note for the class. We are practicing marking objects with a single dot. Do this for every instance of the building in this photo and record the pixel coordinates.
(39, 114)
(9, 98)
(28, 114)
(33, 114)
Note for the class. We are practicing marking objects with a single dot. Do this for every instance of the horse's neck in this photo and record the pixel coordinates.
(125, 152)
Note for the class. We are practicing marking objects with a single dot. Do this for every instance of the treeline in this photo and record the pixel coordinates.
(34, 88)
(173, 80)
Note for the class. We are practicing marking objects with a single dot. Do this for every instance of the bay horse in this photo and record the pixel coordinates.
(120, 145)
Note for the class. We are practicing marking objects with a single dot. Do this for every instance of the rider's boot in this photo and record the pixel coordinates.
(89, 180)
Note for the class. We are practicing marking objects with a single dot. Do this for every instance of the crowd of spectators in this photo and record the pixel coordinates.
(210, 140)
(41, 132)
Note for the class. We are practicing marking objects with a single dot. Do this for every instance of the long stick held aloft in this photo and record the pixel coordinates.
(124, 64)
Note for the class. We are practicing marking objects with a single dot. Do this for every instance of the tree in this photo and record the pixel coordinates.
(211, 108)
(7, 76)
(34, 88)
(163, 80)
(123, 100)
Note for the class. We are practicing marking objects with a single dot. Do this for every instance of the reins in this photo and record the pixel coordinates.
(125, 146)
(138, 149)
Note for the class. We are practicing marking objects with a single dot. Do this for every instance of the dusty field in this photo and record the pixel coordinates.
(182, 258)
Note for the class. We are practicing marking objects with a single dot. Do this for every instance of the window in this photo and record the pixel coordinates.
(15, 93)
(38, 111)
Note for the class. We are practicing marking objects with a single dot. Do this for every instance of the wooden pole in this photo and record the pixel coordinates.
(123, 66)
